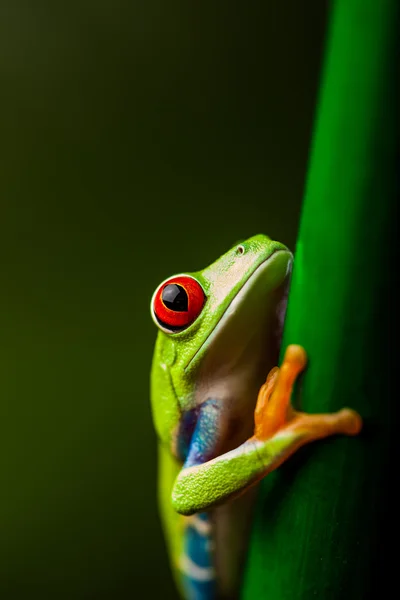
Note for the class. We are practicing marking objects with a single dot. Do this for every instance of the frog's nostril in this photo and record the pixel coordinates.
(240, 249)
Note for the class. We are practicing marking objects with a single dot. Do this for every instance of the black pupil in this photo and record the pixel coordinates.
(175, 297)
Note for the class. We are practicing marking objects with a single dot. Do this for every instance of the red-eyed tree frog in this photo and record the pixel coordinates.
(221, 425)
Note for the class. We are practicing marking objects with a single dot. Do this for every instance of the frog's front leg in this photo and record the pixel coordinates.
(279, 432)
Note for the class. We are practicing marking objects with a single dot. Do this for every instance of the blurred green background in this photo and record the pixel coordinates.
(138, 139)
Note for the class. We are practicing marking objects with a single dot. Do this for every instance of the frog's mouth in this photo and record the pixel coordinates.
(259, 304)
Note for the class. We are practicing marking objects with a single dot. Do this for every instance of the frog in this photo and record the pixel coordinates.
(223, 410)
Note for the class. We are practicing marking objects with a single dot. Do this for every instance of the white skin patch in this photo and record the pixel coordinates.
(202, 527)
(195, 572)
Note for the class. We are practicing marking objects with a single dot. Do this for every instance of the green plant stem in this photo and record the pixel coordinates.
(320, 519)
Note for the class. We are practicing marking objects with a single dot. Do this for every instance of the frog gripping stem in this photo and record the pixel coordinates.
(279, 431)
(203, 397)
(275, 415)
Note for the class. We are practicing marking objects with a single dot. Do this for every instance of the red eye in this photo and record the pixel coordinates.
(178, 302)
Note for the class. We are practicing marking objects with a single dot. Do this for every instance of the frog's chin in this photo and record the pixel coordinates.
(250, 329)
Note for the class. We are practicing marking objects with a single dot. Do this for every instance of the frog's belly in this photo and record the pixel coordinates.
(231, 530)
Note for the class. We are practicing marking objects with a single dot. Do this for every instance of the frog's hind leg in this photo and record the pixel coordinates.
(197, 559)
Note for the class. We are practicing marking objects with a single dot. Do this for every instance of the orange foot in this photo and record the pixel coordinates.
(274, 412)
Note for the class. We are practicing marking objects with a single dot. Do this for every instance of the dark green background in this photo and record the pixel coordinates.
(137, 139)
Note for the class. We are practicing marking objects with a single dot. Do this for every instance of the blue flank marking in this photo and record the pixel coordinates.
(185, 433)
(203, 516)
(205, 435)
(196, 547)
(197, 443)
